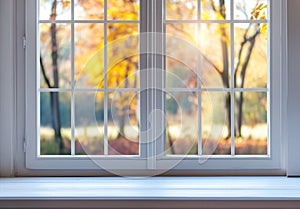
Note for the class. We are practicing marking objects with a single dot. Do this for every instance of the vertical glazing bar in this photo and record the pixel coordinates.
(153, 96)
(151, 143)
(149, 87)
(73, 151)
(232, 92)
(199, 79)
(148, 107)
(198, 9)
(159, 72)
(164, 71)
(270, 24)
(154, 139)
(105, 82)
(143, 74)
(37, 88)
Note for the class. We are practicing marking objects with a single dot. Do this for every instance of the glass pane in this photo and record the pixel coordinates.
(251, 55)
(61, 9)
(55, 123)
(182, 123)
(216, 138)
(123, 55)
(215, 10)
(181, 55)
(89, 123)
(89, 55)
(215, 55)
(250, 9)
(186, 33)
(123, 9)
(251, 129)
(55, 52)
(181, 9)
(178, 75)
(123, 123)
(89, 9)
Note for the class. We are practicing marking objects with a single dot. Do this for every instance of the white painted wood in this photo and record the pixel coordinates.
(272, 161)
(293, 105)
(184, 188)
(155, 188)
(7, 71)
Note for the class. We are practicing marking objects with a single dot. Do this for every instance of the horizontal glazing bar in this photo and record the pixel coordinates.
(89, 21)
(164, 89)
(216, 21)
(215, 90)
(91, 90)
(168, 157)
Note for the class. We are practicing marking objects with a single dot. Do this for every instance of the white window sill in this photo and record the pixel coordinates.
(154, 192)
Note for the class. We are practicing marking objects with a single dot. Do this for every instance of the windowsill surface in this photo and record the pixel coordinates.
(186, 188)
(154, 188)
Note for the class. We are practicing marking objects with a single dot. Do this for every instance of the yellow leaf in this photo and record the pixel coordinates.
(65, 4)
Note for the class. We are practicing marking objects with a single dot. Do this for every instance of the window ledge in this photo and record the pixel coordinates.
(117, 192)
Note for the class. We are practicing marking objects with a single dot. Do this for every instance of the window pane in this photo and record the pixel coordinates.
(89, 9)
(123, 55)
(179, 75)
(89, 55)
(251, 123)
(216, 138)
(181, 9)
(246, 9)
(181, 55)
(55, 123)
(182, 123)
(215, 10)
(55, 52)
(55, 9)
(186, 32)
(89, 123)
(123, 9)
(215, 55)
(251, 55)
(123, 123)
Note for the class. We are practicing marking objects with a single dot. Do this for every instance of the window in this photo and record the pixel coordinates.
(160, 85)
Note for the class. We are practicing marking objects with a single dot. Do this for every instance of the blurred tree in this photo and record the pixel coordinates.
(121, 67)
(123, 52)
(216, 9)
(54, 96)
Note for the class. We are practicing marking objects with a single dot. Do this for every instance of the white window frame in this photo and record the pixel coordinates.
(273, 163)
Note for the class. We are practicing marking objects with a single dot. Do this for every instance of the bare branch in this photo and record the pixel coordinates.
(243, 44)
(212, 64)
(249, 52)
(181, 30)
(206, 58)
(213, 6)
(44, 73)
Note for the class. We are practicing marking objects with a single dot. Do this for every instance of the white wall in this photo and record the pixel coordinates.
(7, 69)
(293, 125)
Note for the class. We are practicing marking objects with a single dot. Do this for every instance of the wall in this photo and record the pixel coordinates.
(7, 69)
(293, 106)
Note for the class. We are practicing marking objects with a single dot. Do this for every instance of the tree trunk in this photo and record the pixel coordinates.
(228, 115)
(125, 108)
(225, 80)
(172, 150)
(240, 102)
(240, 99)
(56, 123)
(122, 123)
